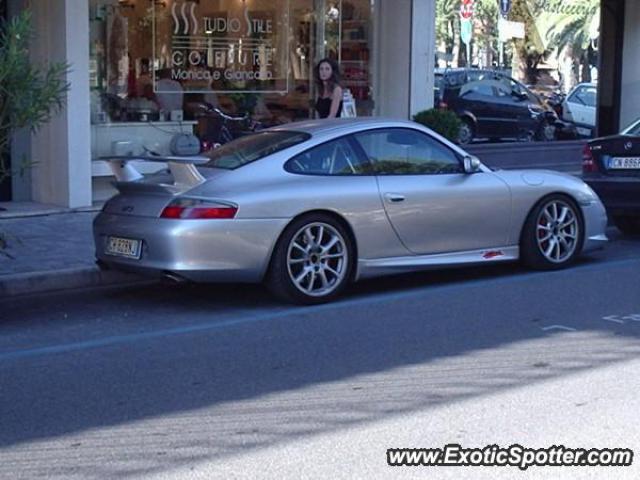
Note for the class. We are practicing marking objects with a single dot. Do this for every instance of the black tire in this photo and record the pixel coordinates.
(289, 261)
(559, 250)
(467, 132)
(627, 225)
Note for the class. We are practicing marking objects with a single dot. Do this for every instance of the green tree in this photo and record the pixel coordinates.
(573, 37)
(30, 94)
(486, 17)
(448, 27)
(528, 52)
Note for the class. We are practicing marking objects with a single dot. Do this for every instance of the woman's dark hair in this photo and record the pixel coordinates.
(335, 75)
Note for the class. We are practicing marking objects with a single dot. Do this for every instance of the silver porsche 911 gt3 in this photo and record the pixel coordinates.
(309, 207)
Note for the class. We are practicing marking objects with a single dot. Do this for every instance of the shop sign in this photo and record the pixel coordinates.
(553, 16)
(240, 50)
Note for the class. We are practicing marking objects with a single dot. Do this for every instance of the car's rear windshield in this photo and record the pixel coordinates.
(633, 129)
(250, 148)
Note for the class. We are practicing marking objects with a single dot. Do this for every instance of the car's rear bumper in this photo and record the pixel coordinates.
(595, 221)
(620, 195)
(233, 250)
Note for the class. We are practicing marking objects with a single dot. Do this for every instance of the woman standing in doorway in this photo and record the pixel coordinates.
(329, 103)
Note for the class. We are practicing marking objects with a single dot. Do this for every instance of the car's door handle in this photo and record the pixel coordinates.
(394, 197)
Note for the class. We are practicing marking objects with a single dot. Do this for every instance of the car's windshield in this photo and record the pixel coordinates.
(252, 147)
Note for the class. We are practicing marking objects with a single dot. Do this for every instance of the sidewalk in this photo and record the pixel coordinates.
(50, 249)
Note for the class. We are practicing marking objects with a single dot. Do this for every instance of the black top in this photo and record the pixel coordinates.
(323, 107)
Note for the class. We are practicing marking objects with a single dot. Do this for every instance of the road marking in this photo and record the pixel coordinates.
(612, 318)
(558, 327)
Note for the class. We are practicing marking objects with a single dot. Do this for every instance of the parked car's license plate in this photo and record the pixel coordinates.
(123, 247)
(625, 162)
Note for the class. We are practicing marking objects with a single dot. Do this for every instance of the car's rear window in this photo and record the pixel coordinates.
(633, 129)
(250, 148)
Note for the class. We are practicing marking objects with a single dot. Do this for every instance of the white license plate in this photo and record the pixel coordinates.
(625, 163)
(123, 247)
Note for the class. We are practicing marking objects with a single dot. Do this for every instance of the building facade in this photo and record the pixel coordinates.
(141, 69)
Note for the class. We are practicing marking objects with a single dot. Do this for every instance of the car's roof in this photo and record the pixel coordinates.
(322, 126)
(585, 84)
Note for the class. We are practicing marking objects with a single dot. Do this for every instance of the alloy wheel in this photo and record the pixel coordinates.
(317, 259)
(557, 231)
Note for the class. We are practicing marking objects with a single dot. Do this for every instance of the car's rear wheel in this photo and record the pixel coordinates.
(312, 261)
(627, 225)
(466, 133)
(553, 234)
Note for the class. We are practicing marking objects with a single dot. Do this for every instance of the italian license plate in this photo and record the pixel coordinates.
(631, 163)
(124, 247)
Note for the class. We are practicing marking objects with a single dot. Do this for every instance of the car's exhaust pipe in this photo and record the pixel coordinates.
(102, 265)
(173, 278)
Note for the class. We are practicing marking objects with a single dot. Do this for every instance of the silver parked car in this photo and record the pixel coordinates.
(309, 207)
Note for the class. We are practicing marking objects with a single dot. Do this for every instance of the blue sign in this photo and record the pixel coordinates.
(505, 7)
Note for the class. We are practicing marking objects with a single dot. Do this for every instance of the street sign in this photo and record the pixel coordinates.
(505, 7)
(508, 30)
(466, 30)
(466, 9)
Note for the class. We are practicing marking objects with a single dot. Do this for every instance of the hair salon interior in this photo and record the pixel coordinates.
(150, 76)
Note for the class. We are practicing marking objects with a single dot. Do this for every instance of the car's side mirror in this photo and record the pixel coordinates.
(471, 164)
(519, 95)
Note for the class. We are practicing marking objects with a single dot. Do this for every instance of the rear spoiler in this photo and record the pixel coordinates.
(183, 169)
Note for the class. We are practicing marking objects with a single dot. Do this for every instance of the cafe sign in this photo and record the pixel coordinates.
(223, 46)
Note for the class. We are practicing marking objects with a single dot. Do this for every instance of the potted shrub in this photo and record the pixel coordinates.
(444, 122)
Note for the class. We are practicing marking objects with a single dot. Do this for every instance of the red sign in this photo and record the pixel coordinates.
(466, 9)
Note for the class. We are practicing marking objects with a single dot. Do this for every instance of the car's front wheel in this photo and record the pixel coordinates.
(553, 233)
(312, 261)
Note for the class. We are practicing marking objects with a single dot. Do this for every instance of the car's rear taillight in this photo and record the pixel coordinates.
(588, 163)
(193, 208)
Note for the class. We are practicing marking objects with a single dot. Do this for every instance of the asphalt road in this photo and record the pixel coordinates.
(223, 382)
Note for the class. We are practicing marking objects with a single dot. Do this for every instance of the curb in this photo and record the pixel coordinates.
(66, 279)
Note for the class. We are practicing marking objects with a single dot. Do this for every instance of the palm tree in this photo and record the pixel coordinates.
(574, 38)
(448, 27)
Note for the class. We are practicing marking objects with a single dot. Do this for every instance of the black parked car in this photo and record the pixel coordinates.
(494, 106)
(611, 166)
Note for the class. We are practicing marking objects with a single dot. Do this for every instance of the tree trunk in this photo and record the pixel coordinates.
(585, 75)
(456, 45)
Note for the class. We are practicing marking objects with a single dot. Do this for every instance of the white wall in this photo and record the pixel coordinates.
(393, 44)
(405, 44)
(61, 149)
(630, 94)
(423, 54)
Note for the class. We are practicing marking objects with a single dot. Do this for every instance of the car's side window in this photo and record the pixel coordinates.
(480, 87)
(332, 158)
(403, 151)
(584, 96)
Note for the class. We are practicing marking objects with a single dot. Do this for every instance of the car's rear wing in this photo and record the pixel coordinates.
(183, 169)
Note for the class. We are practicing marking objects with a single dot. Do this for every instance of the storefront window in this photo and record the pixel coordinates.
(160, 68)
(518, 70)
